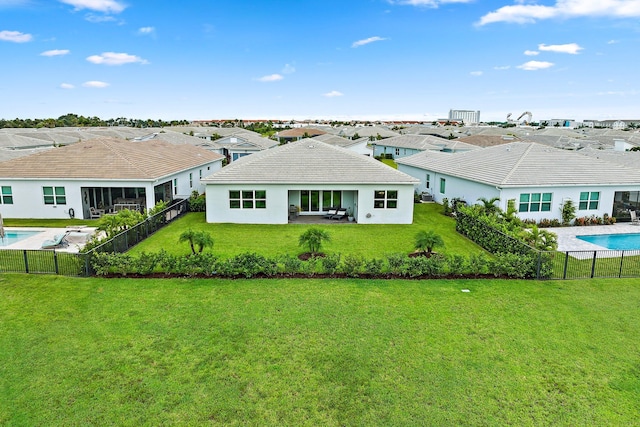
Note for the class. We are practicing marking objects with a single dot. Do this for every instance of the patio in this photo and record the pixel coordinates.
(316, 219)
(77, 238)
(567, 240)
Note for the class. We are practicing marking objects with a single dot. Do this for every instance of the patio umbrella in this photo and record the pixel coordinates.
(1, 228)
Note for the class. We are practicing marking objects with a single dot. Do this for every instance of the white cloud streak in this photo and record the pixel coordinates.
(476, 73)
(67, 86)
(367, 41)
(332, 94)
(502, 67)
(146, 30)
(113, 58)
(104, 6)
(531, 52)
(56, 52)
(270, 78)
(535, 65)
(288, 69)
(570, 48)
(95, 84)
(15, 36)
(428, 3)
(565, 9)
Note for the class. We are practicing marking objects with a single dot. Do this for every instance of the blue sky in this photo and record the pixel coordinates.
(343, 59)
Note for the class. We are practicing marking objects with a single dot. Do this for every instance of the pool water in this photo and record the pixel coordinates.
(11, 237)
(618, 242)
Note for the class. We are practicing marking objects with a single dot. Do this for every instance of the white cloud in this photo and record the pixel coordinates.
(270, 78)
(503, 67)
(95, 84)
(95, 19)
(56, 52)
(530, 13)
(535, 65)
(67, 86)
(113, 58)
(288, 69)
(613, 42)
(15, 36)
(570, 48)
(367, 41)
(146, 30)
(531, 52)
(332, 94)
(476, 73)
(428, 3)
(105, 6)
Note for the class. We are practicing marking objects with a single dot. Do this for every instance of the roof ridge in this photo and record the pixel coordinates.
(520, 160)
(118, 153)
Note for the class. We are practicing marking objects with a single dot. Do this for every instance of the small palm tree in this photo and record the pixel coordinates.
(427, 240)
(313, 238)
(202, 239)
(489, 206)
(188, 236)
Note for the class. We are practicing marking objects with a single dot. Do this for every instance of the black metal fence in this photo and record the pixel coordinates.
(594, 264)
(79, 264)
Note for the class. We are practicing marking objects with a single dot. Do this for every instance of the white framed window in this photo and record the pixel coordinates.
(54, 196)
(535, 202)
(397, 151)
(385, 199)
(427, 181)
(175, 186)
(6, 197)
(247, 199)
(589, 200)
(190, 180)
(443, 185)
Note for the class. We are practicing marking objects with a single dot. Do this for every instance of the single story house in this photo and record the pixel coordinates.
(409, 144)
(102, 175)
(539, 178)
(308, 177)
(360, 145)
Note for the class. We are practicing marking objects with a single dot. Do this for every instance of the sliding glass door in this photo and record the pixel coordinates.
(319, 200)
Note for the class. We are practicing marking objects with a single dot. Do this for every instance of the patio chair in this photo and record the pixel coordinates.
(59, 241)
(634, 218)
(96, 213)
(331, 212)
(341, 213)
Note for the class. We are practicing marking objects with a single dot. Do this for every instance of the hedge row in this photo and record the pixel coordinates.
(247, 265)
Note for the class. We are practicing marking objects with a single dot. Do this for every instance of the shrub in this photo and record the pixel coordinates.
(247, 265)
(352, 265)
(197, 202)
(513, 265)
(374, 266)
(330, 263)
(478, 264)
(396, 263)
(291, 264)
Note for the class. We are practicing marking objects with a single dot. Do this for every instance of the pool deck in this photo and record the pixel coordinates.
(77, 238)
(567, 240)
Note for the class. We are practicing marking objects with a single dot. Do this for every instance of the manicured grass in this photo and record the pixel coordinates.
(390, 162)
(87, 351)
(51, 223)
(369, 241)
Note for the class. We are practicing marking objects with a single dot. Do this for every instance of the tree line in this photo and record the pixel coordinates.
(74, 120)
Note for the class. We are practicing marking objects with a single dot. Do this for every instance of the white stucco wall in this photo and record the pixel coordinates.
(279, 197)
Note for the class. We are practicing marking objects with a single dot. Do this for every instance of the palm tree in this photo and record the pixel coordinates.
(489, 206)
(202, 239)
(313, 238)
(542, 240)
(427, 240)
(188, 236)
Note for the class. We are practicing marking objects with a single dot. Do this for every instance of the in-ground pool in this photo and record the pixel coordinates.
(11, 237)
(619, 242)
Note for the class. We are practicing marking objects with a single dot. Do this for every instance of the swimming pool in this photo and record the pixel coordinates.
(619, 242)
(11, 237)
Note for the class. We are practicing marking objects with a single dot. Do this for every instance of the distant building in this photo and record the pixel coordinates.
(467, 116)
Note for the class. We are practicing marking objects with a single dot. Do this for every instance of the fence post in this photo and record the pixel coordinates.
(566, 264)
(26, 261)
(621, 260)
(593, 264)
(55, 261)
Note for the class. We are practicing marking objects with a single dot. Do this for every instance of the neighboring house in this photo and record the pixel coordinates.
(408, 145)
(371, 132)
(296, 134)
(360, 146)
(242, 144)
(539, 178)
(102, 174)
(310, 176)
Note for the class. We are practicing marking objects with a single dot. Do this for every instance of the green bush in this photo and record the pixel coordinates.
(330, 263)
(352, 265)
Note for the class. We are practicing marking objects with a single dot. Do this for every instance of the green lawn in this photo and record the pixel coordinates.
(88, 351)
(369, 241)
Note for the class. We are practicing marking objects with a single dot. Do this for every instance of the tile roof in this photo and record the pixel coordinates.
(308, 161)
(109, 158)
(524, 164)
